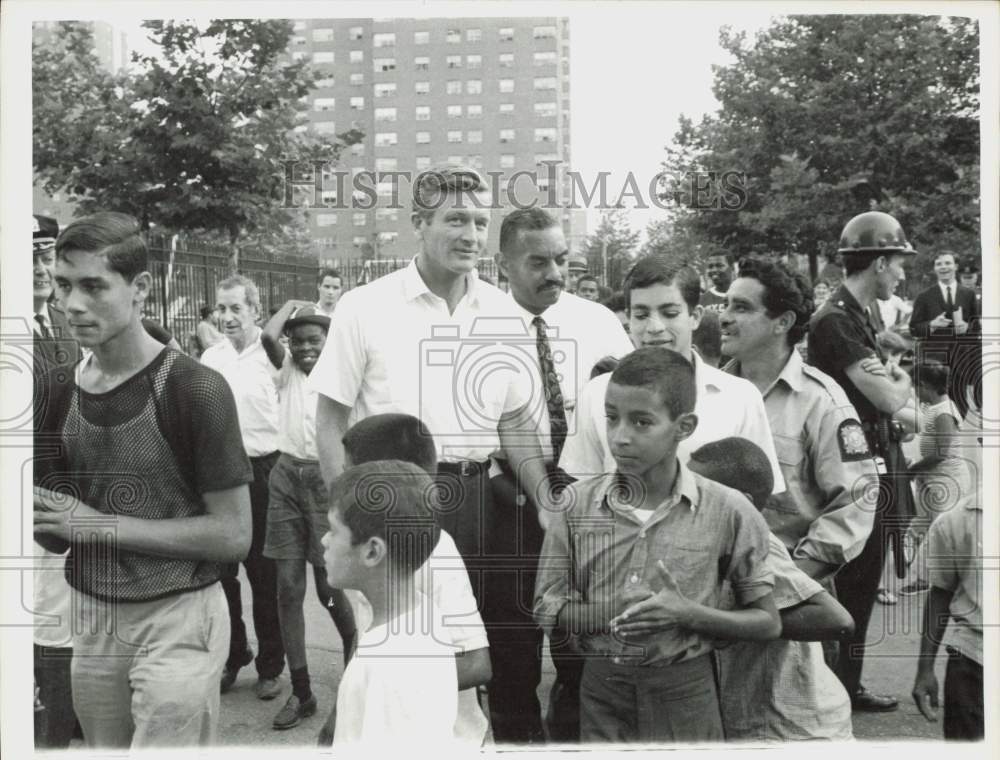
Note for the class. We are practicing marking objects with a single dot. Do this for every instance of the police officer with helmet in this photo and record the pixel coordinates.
(842, 344)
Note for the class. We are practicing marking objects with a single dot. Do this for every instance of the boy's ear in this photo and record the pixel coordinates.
(686, 425)
(374, 551)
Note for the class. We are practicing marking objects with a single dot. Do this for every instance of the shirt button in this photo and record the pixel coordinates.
(634, 578)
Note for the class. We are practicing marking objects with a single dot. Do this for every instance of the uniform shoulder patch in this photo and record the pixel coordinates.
(852, 442)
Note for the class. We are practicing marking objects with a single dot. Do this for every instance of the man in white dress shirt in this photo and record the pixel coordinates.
(533, 257)
(243, 362)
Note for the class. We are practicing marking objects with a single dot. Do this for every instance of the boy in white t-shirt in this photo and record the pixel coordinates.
(296, 514)
(402, 683)
(443, 577)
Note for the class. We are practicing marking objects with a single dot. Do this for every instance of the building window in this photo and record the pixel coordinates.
(506, 60)
(385, 89)
(545, 134)
(423, 113)
(476, 160)
(454, 112)
(299, 41)
(544, 33)
(506, 85)
(359, 219)
(298, 26)
(323, 104)
(357, 56)
(386, 215)
(326, 220)
(325, 83)
(356, 32)
(385, 114)
(546, 109)
(358, 149)
(421, 63)
(453, 35)
(357, 103)
(385, 64)
(423, 162)
(507, 34)
(544, 58)
(506, 108)
(385, 189)
(507, 161)
(453, 87)
(423, 138)
(322, 35)
(383, 39)
(422, 88)
(386, 164)
(421, 38)
(474, 61)
(323, 57)
(455, 160)
(506, 135)
(299, 55)
(454, 61)
(473, 35)
(474, 111)
(474, 87)
(474, 136)
(387, 238)
(383, 139)
(357, 78)
(325, 127)
(359, 240)
(454, 135)
(546, 83)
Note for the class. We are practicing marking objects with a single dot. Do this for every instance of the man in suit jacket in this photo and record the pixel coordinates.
(946, 319)
(53, 344)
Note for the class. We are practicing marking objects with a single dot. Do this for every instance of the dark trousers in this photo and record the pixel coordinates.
(263, 576)
(963, 698)
(54, 724)
(626, 703)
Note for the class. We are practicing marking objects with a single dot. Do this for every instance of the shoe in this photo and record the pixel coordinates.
(267, 688)
(864, 701)
(293, 712)
(230, 672)
(885, 596)
(912, 589)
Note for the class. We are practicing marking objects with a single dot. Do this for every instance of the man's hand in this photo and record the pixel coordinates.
(940, 321)
(54, 510)
(873, 366)
(961, 327)
(925, 694)
(666, 608)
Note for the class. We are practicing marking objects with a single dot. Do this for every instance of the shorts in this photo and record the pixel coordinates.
(296, 512)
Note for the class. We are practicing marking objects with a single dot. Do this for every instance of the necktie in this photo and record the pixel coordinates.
(553, 393)
(40, 319)
(949, 304)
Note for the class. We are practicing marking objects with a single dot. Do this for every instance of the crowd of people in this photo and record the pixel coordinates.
(691, 493)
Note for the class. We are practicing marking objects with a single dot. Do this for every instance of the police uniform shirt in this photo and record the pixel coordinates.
(840, 335)
(825, 460)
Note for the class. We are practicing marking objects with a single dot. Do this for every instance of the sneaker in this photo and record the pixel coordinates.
(229, 672)
(912, 589)
(267, 688)
(885, 596)
(293, 712)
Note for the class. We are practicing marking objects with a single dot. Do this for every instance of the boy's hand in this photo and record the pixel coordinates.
(925, 694)
(665, 609)
(53, 512)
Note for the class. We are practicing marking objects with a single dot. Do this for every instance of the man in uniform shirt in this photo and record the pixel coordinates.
(51, 330)
(533, 258)
(842, 344)
(243, 362)
(946, 321)
(577, 268)
(824, 455)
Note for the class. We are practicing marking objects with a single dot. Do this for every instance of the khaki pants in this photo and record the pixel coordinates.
(146, 674)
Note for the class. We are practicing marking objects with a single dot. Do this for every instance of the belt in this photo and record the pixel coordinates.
(465, 468)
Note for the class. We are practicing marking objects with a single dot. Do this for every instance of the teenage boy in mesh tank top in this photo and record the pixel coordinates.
(141, 468)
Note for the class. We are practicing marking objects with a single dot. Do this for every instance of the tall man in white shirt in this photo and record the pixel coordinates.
(533, 257)
(434, 341)
(662, 299)
(243, 362)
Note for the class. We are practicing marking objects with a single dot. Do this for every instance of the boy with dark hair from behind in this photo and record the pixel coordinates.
(778, 690)
(401, 685)
(443, 578)
(636, 566)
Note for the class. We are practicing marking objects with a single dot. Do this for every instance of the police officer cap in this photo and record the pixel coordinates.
(874, 233)
(578, 263)
(45, 232)
(968, 268)
(307, 315)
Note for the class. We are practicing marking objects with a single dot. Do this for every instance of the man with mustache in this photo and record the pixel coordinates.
(533, 257)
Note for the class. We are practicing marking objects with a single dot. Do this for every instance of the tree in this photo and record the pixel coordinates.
(615, 243)
(830, 116)
(192, 140)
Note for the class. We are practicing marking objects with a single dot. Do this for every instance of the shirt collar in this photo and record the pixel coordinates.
(685, 487)
(791, 373)
(414, 285)
(703, 373)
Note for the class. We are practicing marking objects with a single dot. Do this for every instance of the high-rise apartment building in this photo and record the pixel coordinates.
(490, 92)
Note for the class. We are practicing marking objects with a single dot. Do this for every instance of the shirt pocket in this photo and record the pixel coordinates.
(791, 458)
(694, 567)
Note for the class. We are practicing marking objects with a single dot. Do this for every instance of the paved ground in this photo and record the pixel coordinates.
(893, 638)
